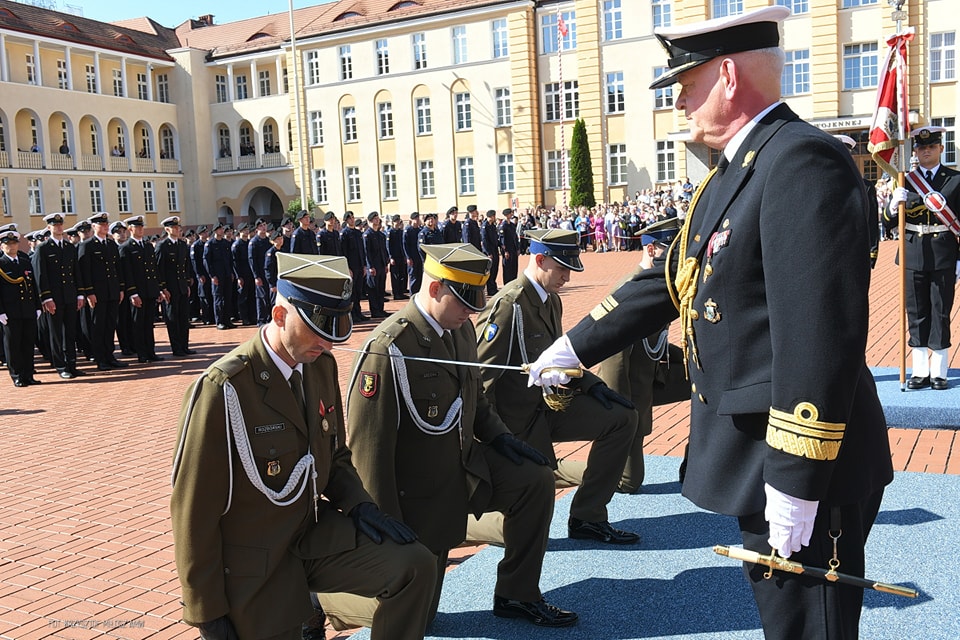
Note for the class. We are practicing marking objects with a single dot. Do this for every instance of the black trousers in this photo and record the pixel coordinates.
(19, 335)
(398, 279)
(221, 301)
(246, 301)
(510, 268)
(263, 304)
(796, 607)
(100, 329)
(375, 293)
(415, 276)
(125, 326)
(930, 297)
(176, 315)
(141, 328)
(494, 270)
(62, 328)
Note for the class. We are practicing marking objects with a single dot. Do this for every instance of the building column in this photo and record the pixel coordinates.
(123, 77)
(68, 56)
(150, 82)
(254, 80)
(96, 72)
(279, 75)
(3, 59)
(231, 89)
(37, 66)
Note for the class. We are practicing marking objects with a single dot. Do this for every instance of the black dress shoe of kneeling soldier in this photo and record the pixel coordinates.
(916, 382)
(599, 531)
(540, 613)
(939, 384)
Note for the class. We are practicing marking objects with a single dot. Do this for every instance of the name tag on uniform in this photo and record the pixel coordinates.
(265, 429)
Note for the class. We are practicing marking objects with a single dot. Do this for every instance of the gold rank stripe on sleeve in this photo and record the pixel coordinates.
(801, 434)
(606, 305)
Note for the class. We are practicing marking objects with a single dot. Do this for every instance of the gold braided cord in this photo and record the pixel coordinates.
(800, 433)
(11, 280)
(684, 288)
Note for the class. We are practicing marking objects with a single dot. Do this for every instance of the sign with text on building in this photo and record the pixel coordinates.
(837, 124)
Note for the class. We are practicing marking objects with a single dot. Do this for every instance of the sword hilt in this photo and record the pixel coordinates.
(571, 372)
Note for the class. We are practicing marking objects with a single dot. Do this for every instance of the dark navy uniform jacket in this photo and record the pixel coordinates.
(471, 233)
(375, 249)
(55, 270)
(240, 257)
(140, 270)
(395, 246)
(196, 258)
(781, 392)
(256, 251)
(490, 237)
(18, 291)
(411, 244)
(430, 236)
(304, 241)
(328, 243)
(508, 237)
(173, 265)
(930, 251)
(452, 231)
(351, 241)
(100, 269)
(217, 260)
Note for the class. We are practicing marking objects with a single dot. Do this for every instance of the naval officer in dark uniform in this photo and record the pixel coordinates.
(328, 240)
(173, 271)
(429, 459)
(217, 262)
(452, 229)
(398, 261)
(251, 540)
(509, 246)
(139, 263)
(490, 245)
(351, 241)
(55, 269)
(19, 309)
(932, 257)
(256, 251)
(102, 282)
(786, 431)
(471, 227)
(411, 252)
(304, 239)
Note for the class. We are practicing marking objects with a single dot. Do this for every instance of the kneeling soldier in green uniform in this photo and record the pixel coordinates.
(266, 503)
(430, 448)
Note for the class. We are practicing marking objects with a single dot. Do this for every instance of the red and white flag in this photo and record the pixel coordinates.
(562, 26)
(889, 127)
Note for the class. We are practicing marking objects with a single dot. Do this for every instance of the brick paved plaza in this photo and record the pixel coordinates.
(85, 543)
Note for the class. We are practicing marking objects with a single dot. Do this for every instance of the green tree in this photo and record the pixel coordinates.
(294, 207)
(581, 171)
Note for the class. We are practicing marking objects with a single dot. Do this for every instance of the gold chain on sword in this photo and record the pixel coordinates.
(555, 397)
(775, 563)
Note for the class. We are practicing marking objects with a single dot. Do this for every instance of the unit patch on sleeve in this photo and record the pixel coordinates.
(369, 383)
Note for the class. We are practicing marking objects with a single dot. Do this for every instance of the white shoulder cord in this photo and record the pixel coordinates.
(451, 420)
(517, 326)
(657, 352)
(237, 427)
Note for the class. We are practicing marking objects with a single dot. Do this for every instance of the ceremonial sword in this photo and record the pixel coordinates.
(775, 562)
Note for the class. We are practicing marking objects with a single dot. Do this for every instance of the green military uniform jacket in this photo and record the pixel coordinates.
(237, 553)
(429, 481)
(516, 313)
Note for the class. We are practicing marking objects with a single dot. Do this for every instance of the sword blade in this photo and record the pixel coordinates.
(508, 367)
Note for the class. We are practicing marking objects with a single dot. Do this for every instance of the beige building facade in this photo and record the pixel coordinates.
(403, 105)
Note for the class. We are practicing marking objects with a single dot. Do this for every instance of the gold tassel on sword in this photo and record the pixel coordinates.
(776, 563)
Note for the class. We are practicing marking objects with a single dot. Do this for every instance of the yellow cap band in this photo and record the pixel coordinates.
(437, 270)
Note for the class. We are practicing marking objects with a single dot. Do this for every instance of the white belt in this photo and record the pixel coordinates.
(924, 229)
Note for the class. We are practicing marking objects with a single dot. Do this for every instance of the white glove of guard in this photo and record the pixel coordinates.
(38, 313)
(897, 196)
(791, 520)
(559, 354)
(3, 319)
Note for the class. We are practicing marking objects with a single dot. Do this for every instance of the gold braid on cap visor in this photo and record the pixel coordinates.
(686, 283)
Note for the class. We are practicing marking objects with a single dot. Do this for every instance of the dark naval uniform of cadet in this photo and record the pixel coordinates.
(173, 271)
(100, 275)
(20, 304)
(216, 261)
(204, 286)
(421, 434)
(490, 245)
(516, 326)
(351, 241)
(328, 243)
(246, 288)
(256, 251)
(398, 262)
(304, 241)
(509, 247)
(251, 550)
(377, 263)
(55, 268)
(411, 253)
(139, 264)
(781, 391)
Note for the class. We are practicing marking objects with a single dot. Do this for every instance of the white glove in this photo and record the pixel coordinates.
(559, 354)
(958, 270)
(3, 319)
(897, 196)
(791, 520)
(38, 314)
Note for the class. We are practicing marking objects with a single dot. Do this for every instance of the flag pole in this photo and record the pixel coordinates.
(563, 146)
(899, 15)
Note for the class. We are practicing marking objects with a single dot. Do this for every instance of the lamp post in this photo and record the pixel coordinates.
(296, 98)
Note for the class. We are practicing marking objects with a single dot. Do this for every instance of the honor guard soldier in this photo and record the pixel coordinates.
(509, 246)
(216, 260)
(102, 282)
(471, 227)
(430, 449)
(19, 309)
(411, 252)
(304, 239)
(246, 290)
(328, 240)
(377, 264)
(173, 271)
(522, 320)
(452, 230)
(266, 504)
(490, 245)
(398, 261)
(139, 263)
(204, 286)
(351, 241)
(650, 371)
(786, 431)
(932, 206)
(256, 251)
(55, 269)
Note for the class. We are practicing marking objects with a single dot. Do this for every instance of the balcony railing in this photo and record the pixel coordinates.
(119, 163)
(29, 160)
(143, 165)
(247, 163)
(60, 162)
(272, 160)
(168, 165)
(91, 163)
(4, 159)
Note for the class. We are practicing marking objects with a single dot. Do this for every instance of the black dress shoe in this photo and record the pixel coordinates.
(939, 384)
(103, 366)
(33, 381)
(190, 352)
(539, 613)
(116, 364)
(916, 382)
(20, 383)
(599, 531)
(78, 372)
(359, 317)
(155, 358)
(67, 375)
(224, 327)
(128, 352)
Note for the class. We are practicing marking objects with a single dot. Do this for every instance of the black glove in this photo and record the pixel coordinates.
(219, 629)
(368, 519)
(515, 449)
(605, 395)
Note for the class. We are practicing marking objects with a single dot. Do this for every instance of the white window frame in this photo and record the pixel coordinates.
(464, 119)
(428, 181)
(550, 31)
(424, 116)
(349, 118)
(163, 88)
(612, 20)
(419, 43)
(666, 161)
(91, 75)
(5, 197)
(345, 56)
(263, 78)
(117, 83)
(504, 104)
(617, 162)
(382, 47)
(616, 101)
(311, 61)
(66, 195)
(173, 196)
(95, 188)
(35, 196)
(458, 42)
(63, 80)
(467, 178)
(320, 192)
(853, 4)
(385, 119)
(557, 178)
(724, 8)
(242, 91)
(388, 174)
(220, 83)
(123, 196)
(943, 56)
(506, 179)
(142, 92)
(796, 73)
(353, 183)
(662, 97)
(316, 128)
(501, 38)
(861, 66)
(149, 197)
(662, 13)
